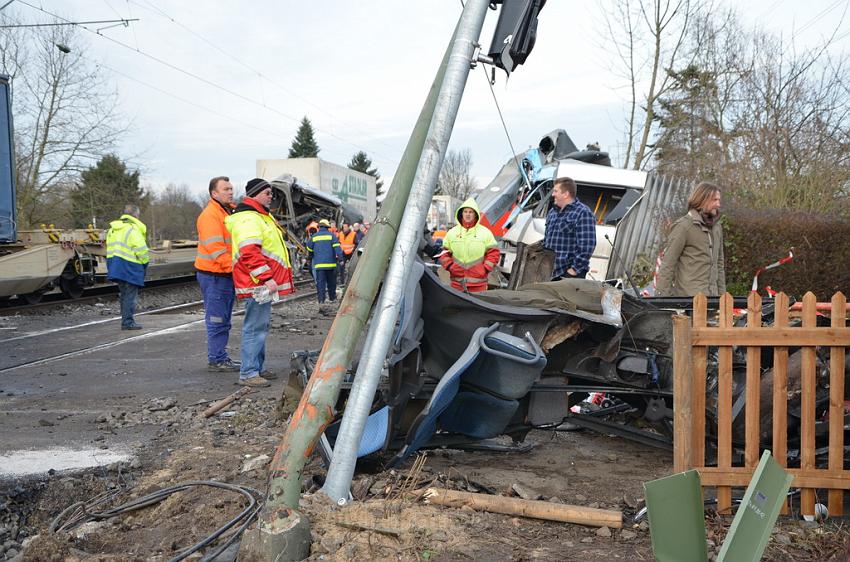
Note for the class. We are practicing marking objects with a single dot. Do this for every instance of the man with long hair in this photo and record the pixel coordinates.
(693, 259)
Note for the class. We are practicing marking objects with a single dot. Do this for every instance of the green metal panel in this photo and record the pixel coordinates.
(676, 518)
(757, 514)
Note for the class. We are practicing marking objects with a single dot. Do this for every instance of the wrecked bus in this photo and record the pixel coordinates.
(295, 205)
(629, 205)
(608, 192)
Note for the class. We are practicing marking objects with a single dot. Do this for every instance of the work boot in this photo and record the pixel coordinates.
(226, 366)
(255, 381)
(268, 375)
(132, 327)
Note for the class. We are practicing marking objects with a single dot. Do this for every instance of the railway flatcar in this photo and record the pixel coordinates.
(41, 261)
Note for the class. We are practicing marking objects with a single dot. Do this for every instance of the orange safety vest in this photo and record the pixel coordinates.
(213, 240)
(438, 234)
(347, 242)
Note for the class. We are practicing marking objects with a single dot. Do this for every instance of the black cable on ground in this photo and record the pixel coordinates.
(245, 517)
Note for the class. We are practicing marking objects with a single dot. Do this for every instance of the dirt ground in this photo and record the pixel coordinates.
(579, 468)
(386, 522)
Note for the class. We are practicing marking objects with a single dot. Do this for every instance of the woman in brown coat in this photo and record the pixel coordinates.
(693, 259)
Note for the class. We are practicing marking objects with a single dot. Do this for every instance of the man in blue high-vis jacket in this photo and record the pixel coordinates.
(325, 252)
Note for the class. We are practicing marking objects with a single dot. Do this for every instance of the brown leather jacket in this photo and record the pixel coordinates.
(693, 260)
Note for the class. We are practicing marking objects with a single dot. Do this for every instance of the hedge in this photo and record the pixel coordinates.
(821, 247)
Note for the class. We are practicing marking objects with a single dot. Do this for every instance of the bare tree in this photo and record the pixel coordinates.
(455, 178)
(622, 39)
(767, 120)
(171, 214)
(794, 123)
(648, 38)
(66, 116)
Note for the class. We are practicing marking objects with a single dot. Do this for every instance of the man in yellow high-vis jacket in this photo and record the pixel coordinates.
(127, 260)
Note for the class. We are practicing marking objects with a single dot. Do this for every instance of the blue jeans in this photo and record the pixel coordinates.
(127, 296)
(255, 328)
(326, 283)
(218, 306)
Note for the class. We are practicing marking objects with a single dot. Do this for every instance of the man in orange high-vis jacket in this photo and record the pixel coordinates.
(347, 241)
(215, 273)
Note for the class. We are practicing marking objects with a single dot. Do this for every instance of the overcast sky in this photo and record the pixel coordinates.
(360, 70)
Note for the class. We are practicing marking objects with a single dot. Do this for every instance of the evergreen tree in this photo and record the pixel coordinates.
(689, 143)
(363, 163)
(103, 191)
(304, 145)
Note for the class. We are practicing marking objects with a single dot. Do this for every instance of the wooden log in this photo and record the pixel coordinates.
(224, 402)
(527, 508)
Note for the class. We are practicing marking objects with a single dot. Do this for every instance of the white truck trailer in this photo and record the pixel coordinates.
(350, 186)
(442, 211)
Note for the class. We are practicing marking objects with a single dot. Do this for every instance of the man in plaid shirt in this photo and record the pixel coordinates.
(570, 231)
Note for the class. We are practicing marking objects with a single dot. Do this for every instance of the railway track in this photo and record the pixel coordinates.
(115, 338)
(91, 294)
(94, 294)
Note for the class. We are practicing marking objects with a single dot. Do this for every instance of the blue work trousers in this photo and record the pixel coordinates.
(127, 295)
(255, 328)
(326, 283)
(218, 307)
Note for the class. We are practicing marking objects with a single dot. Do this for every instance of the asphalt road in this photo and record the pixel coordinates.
(57, 414)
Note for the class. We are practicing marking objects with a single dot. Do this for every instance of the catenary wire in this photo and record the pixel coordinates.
(817, 18)
(187, 101)
(80, 23)
(216, 112)
(502, 119)
(505, 128)
(244, 64)
(204, 80)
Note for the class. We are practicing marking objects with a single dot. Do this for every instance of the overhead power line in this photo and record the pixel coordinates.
(201, 79)
(818, 17)
(188, 102)
(124, 22)
(244, 64)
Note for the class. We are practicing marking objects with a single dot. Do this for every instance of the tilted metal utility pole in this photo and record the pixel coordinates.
(386, 313)
(283, 533)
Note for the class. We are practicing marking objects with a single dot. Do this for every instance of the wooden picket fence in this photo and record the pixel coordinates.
(692, 338)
